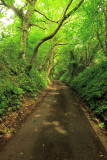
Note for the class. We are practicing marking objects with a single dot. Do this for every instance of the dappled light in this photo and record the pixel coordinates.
(60, 130)
(54, 93)
(38, 115)
(53, 79)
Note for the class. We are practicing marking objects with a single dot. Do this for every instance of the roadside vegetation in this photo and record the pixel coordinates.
(17, 83)
(91, 84)
(45, 40)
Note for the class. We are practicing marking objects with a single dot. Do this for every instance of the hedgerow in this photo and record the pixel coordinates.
(16, 82)
(91, 84)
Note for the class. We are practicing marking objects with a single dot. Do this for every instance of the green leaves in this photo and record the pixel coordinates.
(92, 85)
(16, 82)
(10, 2)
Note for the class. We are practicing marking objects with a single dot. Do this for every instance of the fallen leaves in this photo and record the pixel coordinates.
(8, 135)
(12, 120)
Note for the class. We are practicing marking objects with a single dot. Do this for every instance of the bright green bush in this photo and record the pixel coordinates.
(65, 78)
(33, 83)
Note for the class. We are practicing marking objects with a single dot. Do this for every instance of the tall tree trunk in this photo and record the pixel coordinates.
(53, 67)
(25, 28)
(25, 18)
(24, 39)
(51, 61)
(71, 65)
(87, 55)
(105, 28)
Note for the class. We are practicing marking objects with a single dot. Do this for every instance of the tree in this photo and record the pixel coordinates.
(64, 17)
(24, 13)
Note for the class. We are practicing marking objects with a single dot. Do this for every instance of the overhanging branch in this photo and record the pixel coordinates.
(74, 9)
(37, 26)
(64, 17)
(45, 16)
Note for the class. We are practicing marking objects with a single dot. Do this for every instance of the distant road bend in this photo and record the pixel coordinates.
(57, 130)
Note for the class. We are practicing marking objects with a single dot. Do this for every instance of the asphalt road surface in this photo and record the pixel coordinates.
(57, 130)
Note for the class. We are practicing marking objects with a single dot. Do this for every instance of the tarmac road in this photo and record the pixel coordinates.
(57, 130)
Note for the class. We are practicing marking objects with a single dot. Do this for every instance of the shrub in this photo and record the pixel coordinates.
(92, 85)
(16, 82)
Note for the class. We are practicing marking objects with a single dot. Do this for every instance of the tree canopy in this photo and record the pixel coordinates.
(50, 39)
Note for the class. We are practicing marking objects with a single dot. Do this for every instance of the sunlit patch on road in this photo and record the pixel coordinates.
(56, 123)
(38, 115)
(59, 129)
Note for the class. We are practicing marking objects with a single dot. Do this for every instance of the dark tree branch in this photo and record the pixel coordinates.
(38, 26)
(69, 4)
(41, 21)
(45, 16)
(61, 44)
(74, 9)
(64, 17)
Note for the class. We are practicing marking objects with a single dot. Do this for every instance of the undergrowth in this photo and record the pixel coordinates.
(16, 82)
(91, 84)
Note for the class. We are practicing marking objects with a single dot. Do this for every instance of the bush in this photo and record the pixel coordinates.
(10, 96)
(16, 81)
(92, 85)
(65, 78)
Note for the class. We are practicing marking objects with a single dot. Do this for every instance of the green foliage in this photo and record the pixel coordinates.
(84, 48)
(10, 96)
(101, 125)
(65, 78)
(92, 86)
(16, 82)
(32, 83)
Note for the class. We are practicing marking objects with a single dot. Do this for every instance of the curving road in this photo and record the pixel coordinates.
(57, 130)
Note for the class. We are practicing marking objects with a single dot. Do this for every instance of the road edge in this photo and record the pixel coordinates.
(101, 133)
(93, 120)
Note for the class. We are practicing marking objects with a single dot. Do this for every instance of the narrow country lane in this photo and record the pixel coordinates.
(57, 130)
